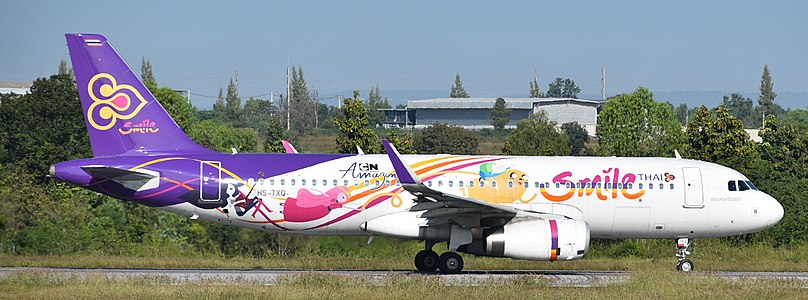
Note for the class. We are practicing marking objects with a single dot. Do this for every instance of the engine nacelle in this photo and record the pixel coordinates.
(535, 239)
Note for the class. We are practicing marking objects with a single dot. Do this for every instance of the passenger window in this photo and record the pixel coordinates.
(557, 185)
(283, 181)
(650, 186)
(608, 185)
(482, 183)
(325, 182)
(578, 185)
(619, 185)
(429, 183)
(272, 181)
(471, 183)
(292, 182)
(303, 182)
(345, 182)
(661, 186)
(314, 182)
(335, 182)
(450, 183)
(536, 184)
(356, 182)
(460, 183)
(376, 183)
(589, 185)
(630, 185)
(639, 186)
(600, 185)
(440, 183)
(742, 186)
(527, 184)
(510, 184)
(671, 185)
(387, 182)
(493, 184)
(367, 182)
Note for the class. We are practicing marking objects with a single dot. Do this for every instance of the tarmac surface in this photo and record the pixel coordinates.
(581, 278)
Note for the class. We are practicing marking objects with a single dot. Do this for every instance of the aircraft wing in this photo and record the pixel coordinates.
(136, 180)
(442, 208)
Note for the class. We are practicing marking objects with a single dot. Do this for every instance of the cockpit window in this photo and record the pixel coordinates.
(742, 186)
(751, 185)
(731, 186)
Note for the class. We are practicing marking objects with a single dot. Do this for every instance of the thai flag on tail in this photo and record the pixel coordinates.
(93, 42)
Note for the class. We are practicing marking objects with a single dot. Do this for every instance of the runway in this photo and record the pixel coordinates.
(577, 278)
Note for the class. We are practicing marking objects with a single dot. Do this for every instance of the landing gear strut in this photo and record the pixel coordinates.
(428, 261)
(682, 251)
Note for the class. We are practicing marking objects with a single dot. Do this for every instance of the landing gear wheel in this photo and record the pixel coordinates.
(682, 251)
(450, 263)
(426, 261)
(684, 265)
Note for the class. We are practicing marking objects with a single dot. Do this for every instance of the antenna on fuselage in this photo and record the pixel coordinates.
(676, 152)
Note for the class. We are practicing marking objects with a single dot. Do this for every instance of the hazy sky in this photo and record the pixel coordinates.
(420, 45)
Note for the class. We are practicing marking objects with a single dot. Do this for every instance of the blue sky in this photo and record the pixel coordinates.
(420, 45)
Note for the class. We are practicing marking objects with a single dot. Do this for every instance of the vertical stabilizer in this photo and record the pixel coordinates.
(122, 116)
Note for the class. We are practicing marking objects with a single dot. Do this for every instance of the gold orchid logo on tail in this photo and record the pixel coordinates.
(112, 102)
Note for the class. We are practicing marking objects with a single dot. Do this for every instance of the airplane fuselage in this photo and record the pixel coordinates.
(335, 194)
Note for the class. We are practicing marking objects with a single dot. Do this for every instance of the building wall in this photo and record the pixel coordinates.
(569, 112)
(466, 117)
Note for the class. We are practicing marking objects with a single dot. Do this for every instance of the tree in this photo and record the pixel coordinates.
(375, 102)
(353, 127)
(303, 110)
(220, 107)
(682, 113)
(578, 137)
(402, 143)
(43, 127)
(442, 138)
(257, 114)
(767, 94)
(535, 92)
(717, 136)
(175, 104)
(274, 136)
(63, 69)
(636, 125)
(146, 74)
(739, 107)
(232, 102)
(457, 89)
(563, 88)
(500, 115)
(222, 136)
(797, 118)
(784, 147)
(536, 136)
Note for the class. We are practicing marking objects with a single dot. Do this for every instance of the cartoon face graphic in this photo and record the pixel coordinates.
(506, 187)
(308, 206)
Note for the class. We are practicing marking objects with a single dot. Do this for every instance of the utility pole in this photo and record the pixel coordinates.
(288, 99)
(603, 83)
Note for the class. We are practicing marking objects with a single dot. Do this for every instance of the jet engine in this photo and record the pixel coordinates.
(533, 239)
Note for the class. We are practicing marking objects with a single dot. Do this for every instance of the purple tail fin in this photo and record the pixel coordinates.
(122, 116)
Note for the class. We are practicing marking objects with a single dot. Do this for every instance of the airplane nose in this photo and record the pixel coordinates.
(775, 213)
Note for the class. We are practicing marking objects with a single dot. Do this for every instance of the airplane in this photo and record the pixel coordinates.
(532, 208)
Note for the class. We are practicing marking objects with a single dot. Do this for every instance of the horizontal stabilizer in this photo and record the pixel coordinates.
(136, 180)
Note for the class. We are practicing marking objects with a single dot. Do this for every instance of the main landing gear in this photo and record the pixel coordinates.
(428, 261)
(682, 251)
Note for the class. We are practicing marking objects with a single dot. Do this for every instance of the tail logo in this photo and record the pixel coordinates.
(112, 102)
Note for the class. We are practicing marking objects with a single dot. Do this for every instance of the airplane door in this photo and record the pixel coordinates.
(694, 194)
(210, 172)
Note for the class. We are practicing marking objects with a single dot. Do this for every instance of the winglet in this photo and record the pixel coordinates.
(403, 171)
(289, 148)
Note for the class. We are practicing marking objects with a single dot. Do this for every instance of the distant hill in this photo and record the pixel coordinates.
(713, 98)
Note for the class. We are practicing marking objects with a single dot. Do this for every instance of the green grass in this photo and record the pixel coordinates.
(641, 285)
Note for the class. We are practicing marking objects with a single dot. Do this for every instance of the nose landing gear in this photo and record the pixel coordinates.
(682, 251)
